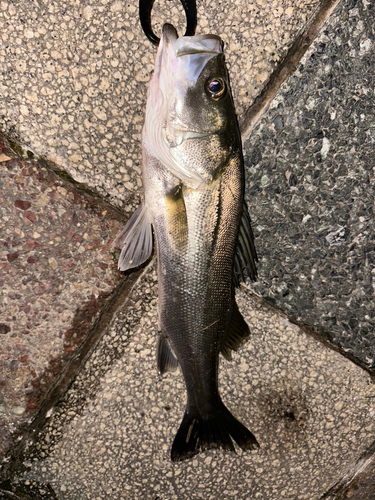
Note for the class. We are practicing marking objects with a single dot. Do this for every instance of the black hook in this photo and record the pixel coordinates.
(145, 8)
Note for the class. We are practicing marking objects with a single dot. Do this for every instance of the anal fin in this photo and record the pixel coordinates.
(165, 358)
(237, 332)
(135, 240)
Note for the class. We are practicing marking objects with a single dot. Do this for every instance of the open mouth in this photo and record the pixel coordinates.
(189, 45)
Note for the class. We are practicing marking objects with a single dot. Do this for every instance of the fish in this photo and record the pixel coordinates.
(195, 214)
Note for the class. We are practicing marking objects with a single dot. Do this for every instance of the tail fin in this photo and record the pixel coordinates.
(217, 431)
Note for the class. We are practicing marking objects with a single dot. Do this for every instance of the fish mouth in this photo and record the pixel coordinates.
(169, 34)
(189, 45)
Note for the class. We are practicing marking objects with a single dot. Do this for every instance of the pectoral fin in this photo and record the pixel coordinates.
(237, 332)
(135, 240)
(165, 358)
(245, 255)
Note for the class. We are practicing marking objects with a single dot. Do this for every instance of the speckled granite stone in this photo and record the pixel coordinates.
(311, 410)
(310, 187)
(57, 272)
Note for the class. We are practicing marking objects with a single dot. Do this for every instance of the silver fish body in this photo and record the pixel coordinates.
(194, 182)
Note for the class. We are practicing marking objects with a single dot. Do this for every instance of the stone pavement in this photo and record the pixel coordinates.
(310, 175)
(311, 409)
(57, 275)
(73, 86)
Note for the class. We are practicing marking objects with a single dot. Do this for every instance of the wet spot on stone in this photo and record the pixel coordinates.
(290, 415)
(285, 406)
(22, 204)
(4, 328)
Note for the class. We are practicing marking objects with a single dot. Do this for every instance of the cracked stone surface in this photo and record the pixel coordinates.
(311, 409)
(56, 273)
(73, 76)
(310, 187)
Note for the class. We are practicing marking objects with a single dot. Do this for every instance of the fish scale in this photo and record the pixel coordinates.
(193, 178)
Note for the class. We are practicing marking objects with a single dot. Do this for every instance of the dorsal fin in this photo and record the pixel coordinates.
(237, 332)
(135, 240)
(245, 255)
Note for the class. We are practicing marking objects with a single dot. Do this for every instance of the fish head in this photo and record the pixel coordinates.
(191, 125)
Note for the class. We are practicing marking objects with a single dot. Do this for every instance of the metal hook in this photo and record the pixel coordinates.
(145, 8)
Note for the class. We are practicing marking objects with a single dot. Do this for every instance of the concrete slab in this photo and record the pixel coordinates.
(74, 75)
(311, 409)
(57, 272)
(310, 187)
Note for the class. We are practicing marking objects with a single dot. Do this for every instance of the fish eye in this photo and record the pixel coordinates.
(216, 88)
